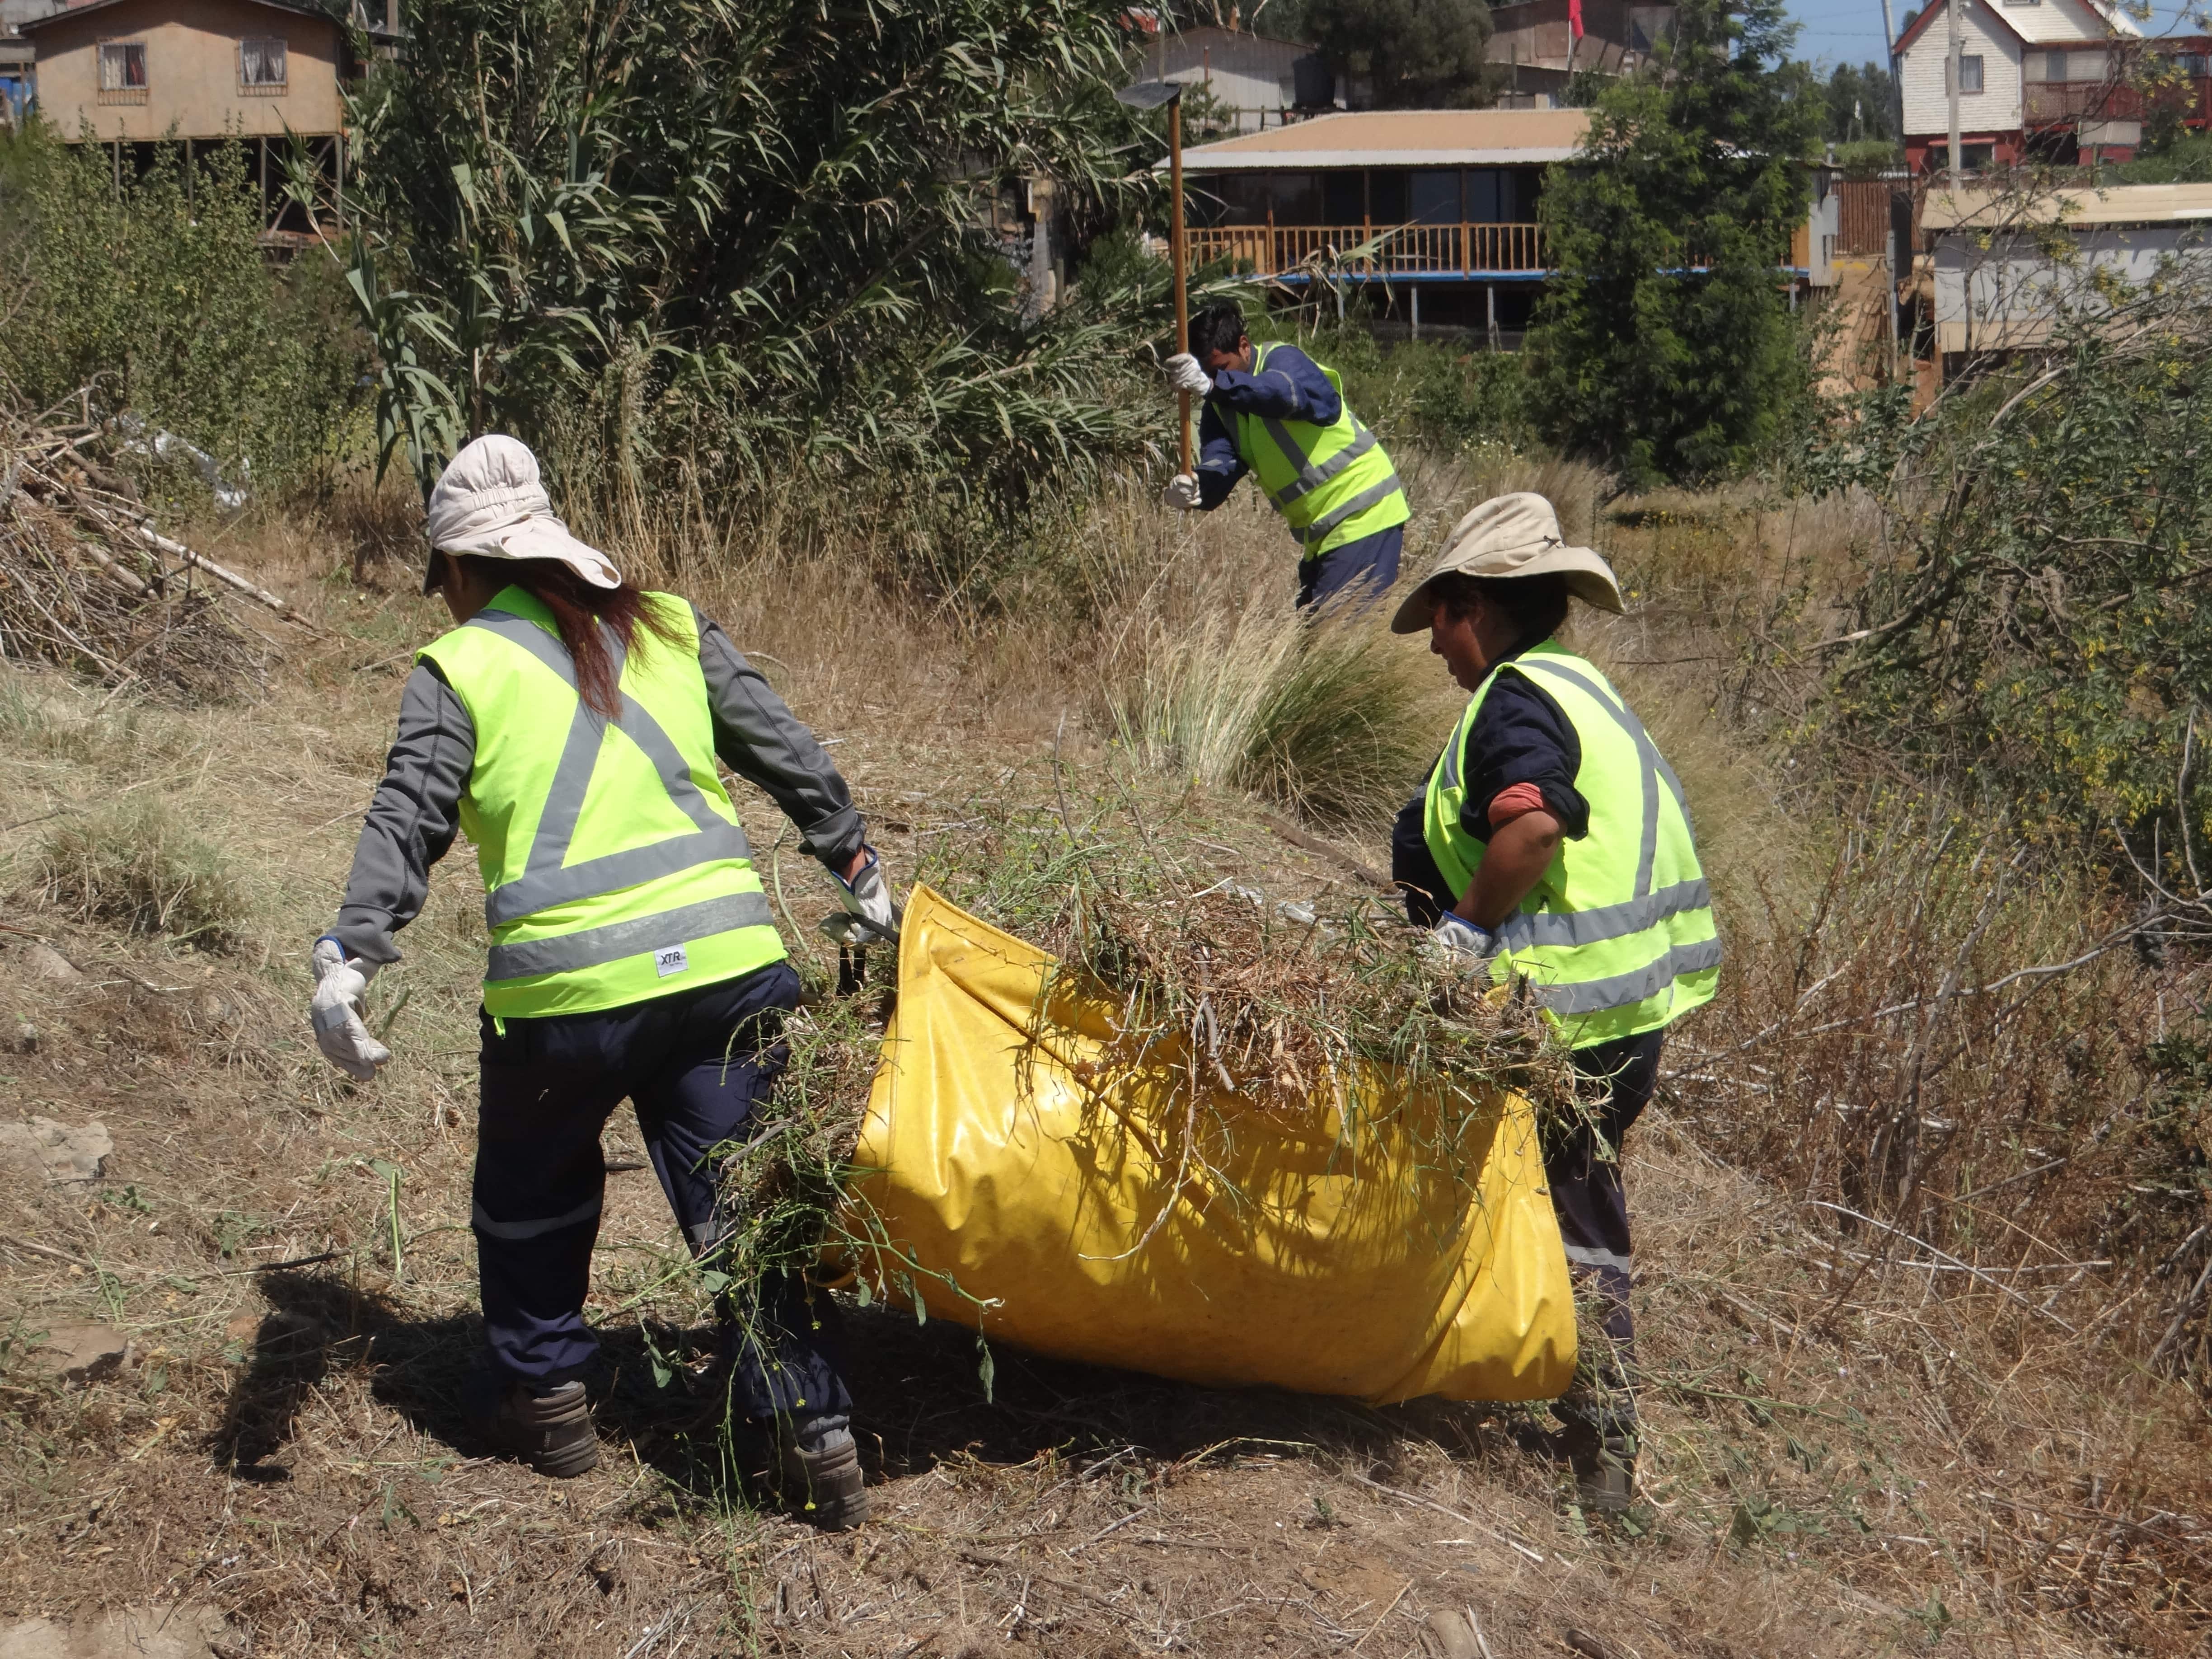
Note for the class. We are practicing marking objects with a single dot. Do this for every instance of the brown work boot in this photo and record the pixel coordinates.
(819, 1467)
(550, 1431)
(1604, 1462)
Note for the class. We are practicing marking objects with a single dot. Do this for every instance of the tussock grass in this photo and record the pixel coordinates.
(135, 863)
(1217, 677)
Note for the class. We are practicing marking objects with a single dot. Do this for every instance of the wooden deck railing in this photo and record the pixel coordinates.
(1459, 250)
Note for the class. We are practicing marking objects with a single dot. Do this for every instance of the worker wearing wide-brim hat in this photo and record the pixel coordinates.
(1552, 843)
(570, 724)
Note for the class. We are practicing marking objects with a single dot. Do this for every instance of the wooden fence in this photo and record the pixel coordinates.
(1457, 250)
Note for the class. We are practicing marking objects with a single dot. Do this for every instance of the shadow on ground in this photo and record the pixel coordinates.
(918, 1399)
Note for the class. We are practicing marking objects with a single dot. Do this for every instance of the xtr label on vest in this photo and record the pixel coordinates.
(672, 960)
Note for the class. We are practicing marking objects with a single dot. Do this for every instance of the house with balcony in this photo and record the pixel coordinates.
(129, 75)
(1436, 206)
(1433, 212)
(2061, 82)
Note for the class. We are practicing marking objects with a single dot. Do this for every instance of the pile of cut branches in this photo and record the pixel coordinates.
(87, 583)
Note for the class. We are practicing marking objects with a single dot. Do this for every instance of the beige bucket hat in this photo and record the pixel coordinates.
(1516, 535)
(491, 500)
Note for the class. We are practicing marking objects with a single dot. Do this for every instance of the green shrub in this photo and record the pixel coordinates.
(157, 297)
(2040, 634)
(135, 864)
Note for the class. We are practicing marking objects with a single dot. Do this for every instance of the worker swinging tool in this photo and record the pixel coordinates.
(1552, 844)
(1274, 411)
(570, 724)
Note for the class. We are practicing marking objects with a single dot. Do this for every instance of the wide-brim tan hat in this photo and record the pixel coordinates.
(491, 502)
(1516, 535)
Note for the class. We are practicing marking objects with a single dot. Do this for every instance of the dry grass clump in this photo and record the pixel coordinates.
(135, 863)
(87, 584)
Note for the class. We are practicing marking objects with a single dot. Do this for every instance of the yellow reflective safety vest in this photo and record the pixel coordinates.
(1617, 937)
(614, 868)
(1332, 484)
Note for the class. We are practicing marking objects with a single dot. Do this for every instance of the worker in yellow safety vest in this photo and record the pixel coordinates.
(570, 724)
(1274, 411)
(1552, 844)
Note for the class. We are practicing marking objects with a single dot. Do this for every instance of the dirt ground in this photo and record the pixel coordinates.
(279, 1461)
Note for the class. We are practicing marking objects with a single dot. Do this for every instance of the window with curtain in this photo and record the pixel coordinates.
(123, 71)
(261, 65)
(1969, 73)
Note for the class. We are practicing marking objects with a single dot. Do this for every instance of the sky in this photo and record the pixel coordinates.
(1850, 31)
(1842, 31)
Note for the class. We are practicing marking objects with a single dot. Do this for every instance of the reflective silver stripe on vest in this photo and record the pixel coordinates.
(1320, 528)
(1604, 922)
(546, 878)
(589, 947)
(1596, 996)
(1312, 477)
(1655, 764)
(520, 1230)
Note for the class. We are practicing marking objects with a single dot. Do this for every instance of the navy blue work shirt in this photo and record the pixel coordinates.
(1291, 387)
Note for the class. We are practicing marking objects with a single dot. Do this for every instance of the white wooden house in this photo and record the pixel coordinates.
(2042, 76)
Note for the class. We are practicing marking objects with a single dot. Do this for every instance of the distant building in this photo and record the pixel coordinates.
(1535, 44)
(131, 74)
(1254, 80)
(1434, 212)
(2052, 81)
(1999, 270)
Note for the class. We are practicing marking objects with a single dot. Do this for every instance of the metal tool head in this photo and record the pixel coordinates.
(1149, 95)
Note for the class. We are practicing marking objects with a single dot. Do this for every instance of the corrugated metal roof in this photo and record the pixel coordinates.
(1402, 137)
(2113, 204)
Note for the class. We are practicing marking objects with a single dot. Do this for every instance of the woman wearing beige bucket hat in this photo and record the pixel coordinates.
(570, 722)
(1552, 844)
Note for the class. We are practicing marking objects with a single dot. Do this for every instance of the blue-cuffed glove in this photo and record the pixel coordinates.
(1458, 942)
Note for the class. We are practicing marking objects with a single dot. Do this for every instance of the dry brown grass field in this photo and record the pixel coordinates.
(1937, 1433)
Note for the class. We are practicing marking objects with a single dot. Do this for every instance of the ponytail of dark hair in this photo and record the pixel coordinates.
(580, 610)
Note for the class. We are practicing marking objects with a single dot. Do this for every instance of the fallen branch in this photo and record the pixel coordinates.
(1314, 844)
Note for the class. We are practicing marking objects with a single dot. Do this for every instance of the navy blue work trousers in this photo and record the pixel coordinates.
(1617, 1079)
(1372, 562)
(699, 1067)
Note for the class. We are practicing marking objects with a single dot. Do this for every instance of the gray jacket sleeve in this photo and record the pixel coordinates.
(412, 820)
(761, 740)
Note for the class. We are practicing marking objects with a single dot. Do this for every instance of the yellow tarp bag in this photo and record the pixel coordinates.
(1001, 1156)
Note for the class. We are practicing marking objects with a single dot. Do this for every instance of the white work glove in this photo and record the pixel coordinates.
(871, 914)
(1182, 494)
(335, 1012)
(1456, 942)
(1186, 373)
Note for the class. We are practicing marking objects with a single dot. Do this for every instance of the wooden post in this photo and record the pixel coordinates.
(1182, 277)
(1417, 310)
(1489, 294)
